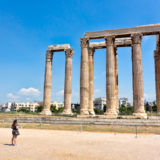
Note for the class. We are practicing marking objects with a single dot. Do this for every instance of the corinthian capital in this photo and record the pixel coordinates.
(84, 42)
(69, 52)
(91, 51)
(49, 54)
(110, 40)
(136, 38)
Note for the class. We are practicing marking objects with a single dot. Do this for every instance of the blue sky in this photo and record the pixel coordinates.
(28, 27)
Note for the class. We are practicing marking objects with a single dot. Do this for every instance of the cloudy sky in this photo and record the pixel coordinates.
(28, 27)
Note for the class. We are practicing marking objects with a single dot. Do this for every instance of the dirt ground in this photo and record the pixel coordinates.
(34, 144)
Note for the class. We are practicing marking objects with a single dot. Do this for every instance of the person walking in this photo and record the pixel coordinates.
(15, 132)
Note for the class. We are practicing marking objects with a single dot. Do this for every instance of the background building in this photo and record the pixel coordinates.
(100, 102)
(124, 101)
(29, 105)
(57, 104)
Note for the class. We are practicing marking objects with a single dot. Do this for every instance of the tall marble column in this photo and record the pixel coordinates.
(137, 71)
(47, 84)
(157, 73)
(84, 78)
(68, 82)
(111, 110)
(91, 82)
(116, 80)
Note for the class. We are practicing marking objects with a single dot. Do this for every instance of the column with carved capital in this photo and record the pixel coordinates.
(84, 78)
(157, 73)
(68, 82)
(116, 80)
(47, 84)
(137, 71)
(91, 81)
(111, 110)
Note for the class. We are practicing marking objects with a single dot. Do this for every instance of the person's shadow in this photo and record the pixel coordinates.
(8, 144)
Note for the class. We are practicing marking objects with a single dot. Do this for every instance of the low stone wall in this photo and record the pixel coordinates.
(152, 121)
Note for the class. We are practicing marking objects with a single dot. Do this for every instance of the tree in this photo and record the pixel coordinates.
(39, 109)
(25, 110)
(53, 108)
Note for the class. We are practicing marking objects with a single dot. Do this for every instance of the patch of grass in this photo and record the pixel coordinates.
(12, 115)
(88, 128)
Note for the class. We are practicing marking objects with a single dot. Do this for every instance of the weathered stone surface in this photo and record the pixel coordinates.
(48, 79)
(157, 72)
(119, 42)
(68, 82)
(138, 91)
(91, 82)
(116, 80)
(126, 32)
(111, 111)
(47, 84)
(58, 48)
(84, 78)
(89, 120)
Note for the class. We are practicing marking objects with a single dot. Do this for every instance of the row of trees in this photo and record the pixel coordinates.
(123, 110)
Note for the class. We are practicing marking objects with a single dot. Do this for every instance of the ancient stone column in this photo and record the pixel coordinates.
(68, 82)
(157, 73)
(111, 110)
(84, 78)
(137, 71)
(91, 82)
(47, 84)
(116, 80)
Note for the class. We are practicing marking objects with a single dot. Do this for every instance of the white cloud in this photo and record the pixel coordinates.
(60, 93)
(12, 96)
(29, 92)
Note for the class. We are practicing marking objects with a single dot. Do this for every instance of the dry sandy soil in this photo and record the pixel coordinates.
(72, 145)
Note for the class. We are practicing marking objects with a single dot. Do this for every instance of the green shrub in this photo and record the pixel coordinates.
(123, 110)
(25, 110)
(54, 110)
(39, 109)
(98, 111)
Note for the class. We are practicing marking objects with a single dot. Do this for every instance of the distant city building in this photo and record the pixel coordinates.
(7, 107)
(15, 106)
(100, 102)
(57, 104)
(30, 105)
(124, 101)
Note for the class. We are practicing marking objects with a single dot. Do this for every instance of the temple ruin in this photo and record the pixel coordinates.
(128, 37)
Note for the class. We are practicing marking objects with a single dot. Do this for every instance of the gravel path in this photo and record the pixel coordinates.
(71, 145)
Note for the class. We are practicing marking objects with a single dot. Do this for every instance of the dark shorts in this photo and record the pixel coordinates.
(15, 132)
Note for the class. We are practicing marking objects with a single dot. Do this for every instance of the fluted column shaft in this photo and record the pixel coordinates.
(111, 110)
(84, 78)
(68, 82)
(157, 73)
(137, 70)
(91, 81)
(47, 84)
(116, 81)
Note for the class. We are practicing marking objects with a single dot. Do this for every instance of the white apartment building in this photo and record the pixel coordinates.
(30, 105)
(57, 104)
(100, 102)
(124, 101)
